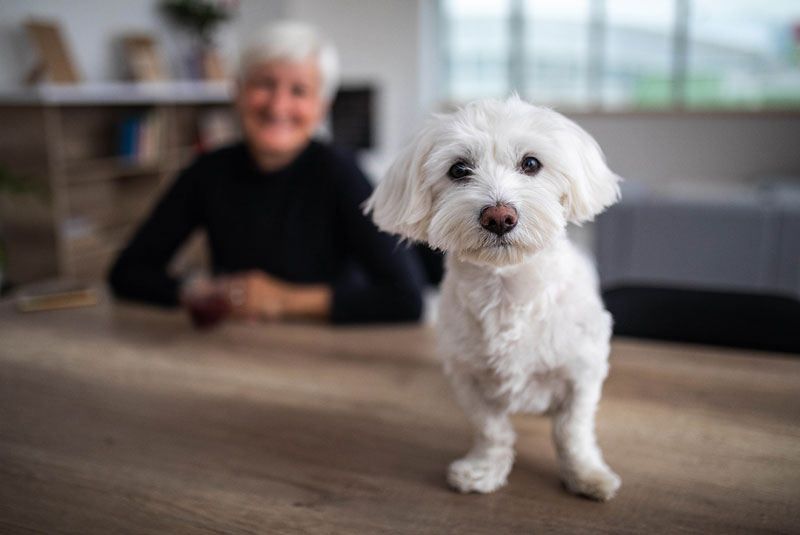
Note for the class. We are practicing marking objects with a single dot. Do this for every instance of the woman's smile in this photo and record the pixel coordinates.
(281, 106)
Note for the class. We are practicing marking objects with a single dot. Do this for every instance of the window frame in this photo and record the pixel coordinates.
(679, 77)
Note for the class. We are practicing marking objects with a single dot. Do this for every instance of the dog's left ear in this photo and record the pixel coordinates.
(592, 186)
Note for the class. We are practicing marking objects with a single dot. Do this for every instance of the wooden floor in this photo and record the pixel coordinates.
(124, 420)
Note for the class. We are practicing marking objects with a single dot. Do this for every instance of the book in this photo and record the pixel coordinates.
(140, 137)
(56, 294)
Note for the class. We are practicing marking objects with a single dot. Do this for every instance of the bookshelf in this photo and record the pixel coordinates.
(96, 157)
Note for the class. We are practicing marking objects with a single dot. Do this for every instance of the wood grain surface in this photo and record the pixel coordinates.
(123, 419)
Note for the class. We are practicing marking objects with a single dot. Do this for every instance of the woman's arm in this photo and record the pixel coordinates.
(395, 279)
(140, 271)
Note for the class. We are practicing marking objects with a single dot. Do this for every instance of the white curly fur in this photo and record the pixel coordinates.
(522, 327)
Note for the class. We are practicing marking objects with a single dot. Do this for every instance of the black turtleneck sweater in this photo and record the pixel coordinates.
(302, 224)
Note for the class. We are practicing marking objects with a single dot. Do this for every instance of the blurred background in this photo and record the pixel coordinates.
(696, 103)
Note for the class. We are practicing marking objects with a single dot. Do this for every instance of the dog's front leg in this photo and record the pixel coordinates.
(579, 459)
(486, 466)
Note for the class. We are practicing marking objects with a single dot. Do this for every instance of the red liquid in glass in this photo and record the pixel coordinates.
(207, 310)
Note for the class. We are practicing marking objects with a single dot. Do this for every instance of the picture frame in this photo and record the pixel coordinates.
(143, 58)
(55, 61)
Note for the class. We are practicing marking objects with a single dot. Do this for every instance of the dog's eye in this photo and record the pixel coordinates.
(530, 165)
(459, 170)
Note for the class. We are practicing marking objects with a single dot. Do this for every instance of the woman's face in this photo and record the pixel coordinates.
(280, 105)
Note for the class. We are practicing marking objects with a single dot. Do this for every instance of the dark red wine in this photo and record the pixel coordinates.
(207, 310)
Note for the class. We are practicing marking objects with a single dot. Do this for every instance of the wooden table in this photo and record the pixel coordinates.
(123, 419)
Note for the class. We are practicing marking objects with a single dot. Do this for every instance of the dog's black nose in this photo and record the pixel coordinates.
(499, 219)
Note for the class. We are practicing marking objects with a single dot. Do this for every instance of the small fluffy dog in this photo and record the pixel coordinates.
(522, 327)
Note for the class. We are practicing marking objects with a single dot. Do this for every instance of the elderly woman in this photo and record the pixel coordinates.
(281, 210)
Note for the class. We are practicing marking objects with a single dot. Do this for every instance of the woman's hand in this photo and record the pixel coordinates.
(256, 295)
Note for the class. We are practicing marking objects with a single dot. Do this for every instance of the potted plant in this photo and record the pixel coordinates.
(201, 19)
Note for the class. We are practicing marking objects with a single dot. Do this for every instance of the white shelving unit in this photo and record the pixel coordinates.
(66, 142)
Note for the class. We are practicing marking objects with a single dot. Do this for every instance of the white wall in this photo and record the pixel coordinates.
(92, 28)
(702, 153)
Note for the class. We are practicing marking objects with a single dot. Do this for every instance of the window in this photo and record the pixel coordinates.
(639, 57)
(557, 53)
(744, 53)
(627, 54)
(478, 48)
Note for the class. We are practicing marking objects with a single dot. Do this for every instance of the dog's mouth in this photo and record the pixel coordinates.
(491, 249)
(500, 252)
(502, 242)
(492, 244)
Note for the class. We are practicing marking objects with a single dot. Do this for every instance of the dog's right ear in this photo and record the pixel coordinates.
(401, 203)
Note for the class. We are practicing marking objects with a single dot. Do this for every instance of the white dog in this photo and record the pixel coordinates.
(522, 326)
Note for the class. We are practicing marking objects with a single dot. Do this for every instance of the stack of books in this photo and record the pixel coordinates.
(141, 136)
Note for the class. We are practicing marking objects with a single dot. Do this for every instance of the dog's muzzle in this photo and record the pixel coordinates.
(499, 219)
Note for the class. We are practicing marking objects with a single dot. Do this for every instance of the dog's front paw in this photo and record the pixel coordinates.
(598, 483)
(480, 473)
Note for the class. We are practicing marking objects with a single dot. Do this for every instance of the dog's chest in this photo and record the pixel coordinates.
(509, 348)
(508, 313)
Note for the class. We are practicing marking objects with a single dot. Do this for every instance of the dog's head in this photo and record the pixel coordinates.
(494, 182)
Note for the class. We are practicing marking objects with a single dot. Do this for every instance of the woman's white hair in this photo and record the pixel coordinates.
(295, 42)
